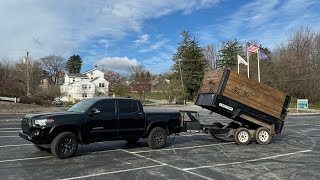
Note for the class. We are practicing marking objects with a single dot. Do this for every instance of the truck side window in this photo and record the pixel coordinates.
(128, 107)
(108, 107)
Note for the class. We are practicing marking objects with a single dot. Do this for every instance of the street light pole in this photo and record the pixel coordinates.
(184, 99)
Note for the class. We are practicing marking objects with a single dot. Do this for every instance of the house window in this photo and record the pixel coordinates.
(74, 79)
(101, 84)
(89, 87)
(84, 95)
(84, 86)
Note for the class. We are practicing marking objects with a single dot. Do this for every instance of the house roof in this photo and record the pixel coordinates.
(95, 68)
(77, 75)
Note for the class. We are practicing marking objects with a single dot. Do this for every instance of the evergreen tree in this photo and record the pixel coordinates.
(228, 54)
(74, 64)
(189, 62)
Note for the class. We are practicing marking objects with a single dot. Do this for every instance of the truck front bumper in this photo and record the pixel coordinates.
(35, 138)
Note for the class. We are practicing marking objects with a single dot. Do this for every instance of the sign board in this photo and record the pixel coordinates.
(302, 104)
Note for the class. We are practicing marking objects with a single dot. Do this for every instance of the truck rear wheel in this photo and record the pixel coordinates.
(64, 145)
(263, 135)
(157, 138)
(242, 136)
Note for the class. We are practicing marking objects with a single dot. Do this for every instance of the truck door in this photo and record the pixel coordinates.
(131, 118)
(102, 124)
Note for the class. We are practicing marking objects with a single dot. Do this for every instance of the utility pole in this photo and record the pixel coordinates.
(26, 60)
(184, 98)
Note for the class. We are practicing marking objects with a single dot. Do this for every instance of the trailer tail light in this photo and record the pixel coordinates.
(180, 120)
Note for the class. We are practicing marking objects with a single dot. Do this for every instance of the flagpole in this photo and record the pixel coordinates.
(238, 62)
(258, 54)
(247, 58)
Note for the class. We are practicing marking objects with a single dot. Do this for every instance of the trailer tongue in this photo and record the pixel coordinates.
(258, 111)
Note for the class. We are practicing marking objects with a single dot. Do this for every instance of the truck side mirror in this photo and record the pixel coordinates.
(94, 111)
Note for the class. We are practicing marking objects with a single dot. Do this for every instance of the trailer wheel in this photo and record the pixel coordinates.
(242, 136)
(263, 135)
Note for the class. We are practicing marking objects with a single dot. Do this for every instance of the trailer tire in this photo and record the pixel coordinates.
(263, 135)
(157, 138)
(242, 136)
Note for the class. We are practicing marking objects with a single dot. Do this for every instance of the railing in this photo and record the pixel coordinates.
(9, 99)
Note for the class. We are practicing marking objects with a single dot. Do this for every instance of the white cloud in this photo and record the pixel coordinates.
(58, 27)
(144, 38)
(154, 46)
(118, 63)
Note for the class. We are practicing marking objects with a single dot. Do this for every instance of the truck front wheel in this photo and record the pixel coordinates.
(157, 138)
(64, 145)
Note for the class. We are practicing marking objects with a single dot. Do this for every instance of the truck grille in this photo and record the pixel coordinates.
(26, 125)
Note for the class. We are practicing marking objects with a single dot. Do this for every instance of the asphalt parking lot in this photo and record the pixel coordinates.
(294, 154)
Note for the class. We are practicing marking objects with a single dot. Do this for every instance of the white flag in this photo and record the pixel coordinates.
(242, 61)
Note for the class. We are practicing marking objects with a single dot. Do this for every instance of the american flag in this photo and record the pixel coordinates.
(252, 48)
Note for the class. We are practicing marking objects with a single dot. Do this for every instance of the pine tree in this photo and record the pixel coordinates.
(189, 62)
(74, 64)
(228, 54)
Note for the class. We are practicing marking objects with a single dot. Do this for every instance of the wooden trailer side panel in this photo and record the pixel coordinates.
(254, 94)
(211, 81)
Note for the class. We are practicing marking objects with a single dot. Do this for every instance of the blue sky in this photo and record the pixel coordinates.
(120, 33)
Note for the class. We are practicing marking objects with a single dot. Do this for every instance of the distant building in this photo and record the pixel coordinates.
(78, 86)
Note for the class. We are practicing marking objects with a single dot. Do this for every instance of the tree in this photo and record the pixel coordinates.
(189, 65)
(228, 54)
(53, 65)
(141, 81)
(74, 64)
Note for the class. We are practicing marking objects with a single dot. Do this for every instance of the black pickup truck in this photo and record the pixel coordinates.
(98, 119)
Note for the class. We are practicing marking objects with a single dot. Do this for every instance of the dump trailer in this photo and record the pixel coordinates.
(257, 110)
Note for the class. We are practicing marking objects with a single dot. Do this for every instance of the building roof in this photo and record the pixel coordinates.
(95, 68)
(77, 75)
(94, 79)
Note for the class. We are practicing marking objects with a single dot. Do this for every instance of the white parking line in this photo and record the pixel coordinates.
(191, 147)
(10, 128)
(16, 145)
(9, 131)
(8, 136)
(311, 129)
(174, 167)
(111, 172)
(250, 160)
(24, 159)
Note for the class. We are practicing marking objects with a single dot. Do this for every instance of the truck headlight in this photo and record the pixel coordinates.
(43, 122)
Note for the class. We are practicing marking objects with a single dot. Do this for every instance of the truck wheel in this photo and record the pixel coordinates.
(263, 135)
(64, 145)
(40, 148)
(157, 138)
(242, 136)
(215, 125)
(132, 140)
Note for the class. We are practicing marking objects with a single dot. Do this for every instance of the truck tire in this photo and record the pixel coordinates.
(242, 136)
(157, 138)
(263, 135)
(132, 140)
(40, 148)
(215, 125)
(64, 145)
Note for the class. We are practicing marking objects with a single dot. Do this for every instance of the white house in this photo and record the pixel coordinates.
(79, 86)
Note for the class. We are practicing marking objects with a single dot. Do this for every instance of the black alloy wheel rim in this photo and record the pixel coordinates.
(66, 146)
(158, 138)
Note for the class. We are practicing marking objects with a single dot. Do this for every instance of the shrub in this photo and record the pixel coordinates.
(33, 100)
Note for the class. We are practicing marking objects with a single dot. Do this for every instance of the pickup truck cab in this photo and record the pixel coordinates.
(98, 119)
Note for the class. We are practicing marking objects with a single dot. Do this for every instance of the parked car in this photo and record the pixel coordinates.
(56, 102)
(98, 119)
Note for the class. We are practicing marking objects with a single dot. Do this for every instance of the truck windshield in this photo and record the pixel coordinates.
(82, 106)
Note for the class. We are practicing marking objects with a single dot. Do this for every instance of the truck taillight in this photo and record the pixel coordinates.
(180, 120)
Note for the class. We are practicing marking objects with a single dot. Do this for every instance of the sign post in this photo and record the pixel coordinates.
(302, 104)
